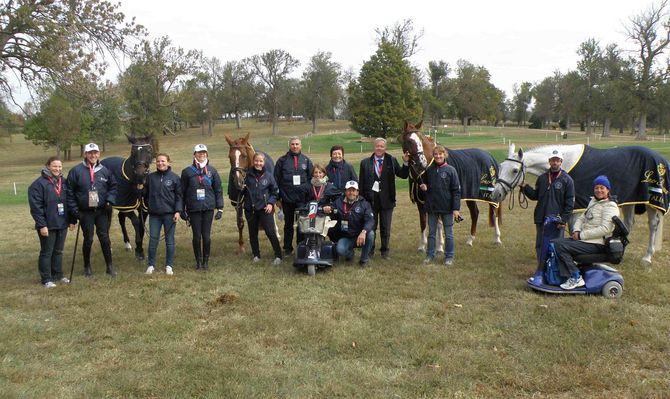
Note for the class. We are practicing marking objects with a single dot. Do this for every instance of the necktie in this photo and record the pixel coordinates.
(378, 169)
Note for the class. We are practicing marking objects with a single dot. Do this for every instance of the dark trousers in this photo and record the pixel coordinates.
(539, 242)
(260, 218)
(50, 261)
(289, 219)
(201, 226)
(383, 219)
(567, 249)
(95, 221)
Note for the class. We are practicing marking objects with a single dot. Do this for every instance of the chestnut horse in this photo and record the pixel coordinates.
(476, 171)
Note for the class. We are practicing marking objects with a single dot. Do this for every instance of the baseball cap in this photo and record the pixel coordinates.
(351, 184)
(556, 153)
(199, 147)
(91, 147)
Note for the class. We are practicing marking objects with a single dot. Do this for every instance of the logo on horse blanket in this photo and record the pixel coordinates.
(638, 176)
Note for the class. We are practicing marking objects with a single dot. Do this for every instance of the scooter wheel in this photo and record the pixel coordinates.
(311, 270)
(612, 290)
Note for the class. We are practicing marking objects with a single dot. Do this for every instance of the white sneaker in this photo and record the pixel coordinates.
(150, 270)
(49, 284)
(573, 283)
(256, 259)
(65, 280)
(168, 270)
(276, 262)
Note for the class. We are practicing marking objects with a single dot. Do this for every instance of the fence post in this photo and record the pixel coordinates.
(14, 188)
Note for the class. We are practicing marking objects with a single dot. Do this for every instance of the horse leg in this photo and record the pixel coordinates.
(124, 231)
(628, 216)
(655, 233)
(424, 231)
(138, 226)
(474, 214)
(494, 220)
(240, 231)
(439, 236)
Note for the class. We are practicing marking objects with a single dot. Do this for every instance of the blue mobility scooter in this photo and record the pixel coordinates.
(599, 278)
(313, 252)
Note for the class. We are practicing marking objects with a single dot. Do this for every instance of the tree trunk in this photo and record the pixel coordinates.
(238, 120)
(202, 127)
(642, 131)
(209, 127)
(465, 124)
(313, 125)
(589, 120)
(606, 127)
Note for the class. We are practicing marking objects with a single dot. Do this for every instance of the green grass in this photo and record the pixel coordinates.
(395, 329)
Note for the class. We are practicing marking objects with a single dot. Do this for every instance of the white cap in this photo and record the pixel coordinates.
(199, 147)
(556, 153)
(91, 147)
(351, 184)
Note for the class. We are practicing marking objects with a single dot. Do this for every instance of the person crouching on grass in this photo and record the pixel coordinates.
(260, 196)
(443, 201)
(165, 202)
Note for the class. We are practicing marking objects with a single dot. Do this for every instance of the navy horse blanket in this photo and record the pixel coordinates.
(128, 197)
(234, 194)
(639, 175)
(477, 172)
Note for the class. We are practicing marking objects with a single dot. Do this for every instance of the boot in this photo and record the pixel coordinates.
(198, 264)
(205, 265)
(87, 271)
(110, 270)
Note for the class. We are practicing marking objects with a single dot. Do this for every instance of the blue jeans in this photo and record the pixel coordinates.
(346, 245)
(50, 261)
(448, 223)
(155, 224)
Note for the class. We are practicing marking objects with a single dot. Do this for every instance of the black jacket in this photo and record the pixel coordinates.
(164, 193)
(444, 189)
(285, 169)
(340, 173)
(557, 198)
(79, 184)
(367, 176)
(207, 178)
(329, 194)
(261, 189)
(44, 198)
(358, 215)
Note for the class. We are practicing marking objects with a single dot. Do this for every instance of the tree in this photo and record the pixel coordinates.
(570, 92)
(650, 31)
(103, 115)
(9, 121)
(521, 101)
(320, 87)
(384, 95)
(272, 69)
(58, 42)
(589, 68)
(616, 88)
(474, 96)
(402, 36)
(238, 90)
(210, 78)
(545, 100)
(437, 100)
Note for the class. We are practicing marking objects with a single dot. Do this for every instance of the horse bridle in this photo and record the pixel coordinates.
(137, 149)
(518, 179)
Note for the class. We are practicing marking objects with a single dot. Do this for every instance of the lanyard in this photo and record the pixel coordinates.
(379, 166)
(91, 170)
(200, 175)
(557, 176)
(59, 187)
(337, 175)
(345, 209)
(295, 162)
(317, 196)
(258, 178)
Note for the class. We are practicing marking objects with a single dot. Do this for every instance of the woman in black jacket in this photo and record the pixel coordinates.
(164, 202)
(47, 197)
(338, 170)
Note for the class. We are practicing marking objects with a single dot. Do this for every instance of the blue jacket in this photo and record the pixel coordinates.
(261, 189)
(285, 169)
(43, 199)
(340, 173)
(79, 184)
(444, 189)
(164, 193)
(553, 198)
(207, 178)
(358, 215)
(328, 196)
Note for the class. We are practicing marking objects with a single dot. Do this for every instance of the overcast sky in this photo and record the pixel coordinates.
(516, 40)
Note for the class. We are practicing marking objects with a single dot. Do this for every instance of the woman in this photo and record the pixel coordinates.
(260, 195)
(338, 170)
(202, 193)
(164, 195)
(588, 234)
(443, 201)
(48, 206)
(319, 189)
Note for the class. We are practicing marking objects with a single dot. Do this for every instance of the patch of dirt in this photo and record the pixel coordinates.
(226, 298)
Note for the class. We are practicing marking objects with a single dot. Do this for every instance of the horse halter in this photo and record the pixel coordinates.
(509, 186)
(236, 169)
(139, 160)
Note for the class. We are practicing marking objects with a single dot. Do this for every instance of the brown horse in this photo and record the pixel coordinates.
(476, 169)
(241, 155)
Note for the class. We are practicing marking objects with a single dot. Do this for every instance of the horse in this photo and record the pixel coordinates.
(639, 178)
(476, 170)
(131, 174)
(241, 155)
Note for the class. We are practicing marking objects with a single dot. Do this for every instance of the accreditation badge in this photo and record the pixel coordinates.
(296, 180)
(200, 194)
(375, 186)
(93, 199)
(344, 225)
(61, 209)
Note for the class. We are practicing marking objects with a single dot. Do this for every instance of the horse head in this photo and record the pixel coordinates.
(241, 155)
(141, 154)
(511, 173)
(418, 146)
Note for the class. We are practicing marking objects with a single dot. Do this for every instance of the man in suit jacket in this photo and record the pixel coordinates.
(377, 182)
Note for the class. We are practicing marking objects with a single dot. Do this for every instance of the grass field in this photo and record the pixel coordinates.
(395, 329)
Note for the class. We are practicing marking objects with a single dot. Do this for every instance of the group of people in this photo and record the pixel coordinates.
(360, 204)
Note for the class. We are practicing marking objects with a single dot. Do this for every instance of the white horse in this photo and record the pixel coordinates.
(655, 180)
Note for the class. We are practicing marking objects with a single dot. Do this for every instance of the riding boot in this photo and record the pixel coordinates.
(205, 261)
(110, 270)
(198, 257)
(88, 272)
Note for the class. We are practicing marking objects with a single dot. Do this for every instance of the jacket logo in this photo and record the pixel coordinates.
(104, 179)
(264, 182)
(358, 209)
(558, 185)
(303, 166)
(168, 183)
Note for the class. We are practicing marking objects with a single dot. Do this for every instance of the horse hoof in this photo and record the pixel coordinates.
(421, 249)
(128, 246)
(498, 243)
(645, 261)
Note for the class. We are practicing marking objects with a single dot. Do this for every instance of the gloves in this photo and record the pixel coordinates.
(184, 216)
(219, 214)
(74, 216)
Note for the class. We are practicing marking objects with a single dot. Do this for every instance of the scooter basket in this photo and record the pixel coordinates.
(305, 225)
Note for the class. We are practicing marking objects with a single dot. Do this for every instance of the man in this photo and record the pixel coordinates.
(356, 224)
(377, 186)
(91, 194)
(291, 171)
(555, 195)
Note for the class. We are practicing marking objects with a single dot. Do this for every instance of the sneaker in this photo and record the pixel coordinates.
(168, 270)
(276, 262)
(573, 283)
(363, 263)
(150, 270)
(448, 262)
(65, 280)
(49, 284)
(256, 259)
(428, 260)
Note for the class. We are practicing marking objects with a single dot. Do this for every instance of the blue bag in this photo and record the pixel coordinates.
(552, 275)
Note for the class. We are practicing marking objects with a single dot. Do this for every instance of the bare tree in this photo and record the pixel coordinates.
(401, 35)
